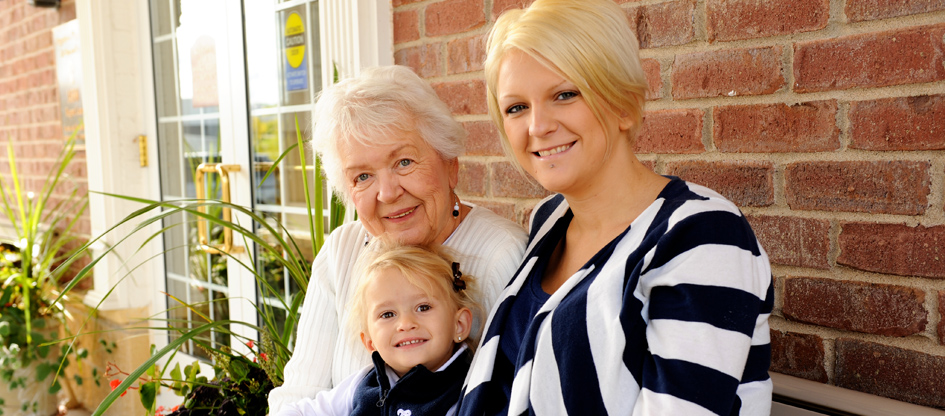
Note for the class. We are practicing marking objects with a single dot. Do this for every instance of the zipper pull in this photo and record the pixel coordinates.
(384, 393)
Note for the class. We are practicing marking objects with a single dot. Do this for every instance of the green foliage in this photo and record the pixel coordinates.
(33, 260)
(241, 383)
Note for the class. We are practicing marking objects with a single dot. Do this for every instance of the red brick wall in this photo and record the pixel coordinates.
(29, 96)
(824, 120)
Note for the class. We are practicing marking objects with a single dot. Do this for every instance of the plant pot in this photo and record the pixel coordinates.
(31, 398)
(35, 396)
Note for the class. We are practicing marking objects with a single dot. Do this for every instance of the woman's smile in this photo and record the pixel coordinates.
(401, 214)
(554, 150)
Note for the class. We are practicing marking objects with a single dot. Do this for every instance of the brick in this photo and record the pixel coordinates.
(507, 181)
(880, 309)
(454, 16)
(663, 24)
(890, 187)
(804, 127)
(671, 131)
(499, 6)
(424, 59)
(406, 26)
(860, 10)
(503, 209)
(893, 249)
(798, 355)
(466, 54)
(879, 59)
(901, 123)
(751, 71)
(654, 81)
(728, 20)
(483, 139)
(744, 183)
(896, 373)
(473, 178)
(463, 97)
(793, 241)
(941, 313)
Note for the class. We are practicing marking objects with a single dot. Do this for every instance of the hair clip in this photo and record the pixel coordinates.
(458, 282)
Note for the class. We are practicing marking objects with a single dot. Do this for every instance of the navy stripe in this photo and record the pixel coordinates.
(542, 213)
(736, 406)
(721, 307)
(713, 390)
(502, 311)
(768, 305)
(572, 346)
(756, 367)
(710, 227)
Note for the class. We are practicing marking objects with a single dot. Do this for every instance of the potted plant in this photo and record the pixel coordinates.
(37, 246)
(241, 382)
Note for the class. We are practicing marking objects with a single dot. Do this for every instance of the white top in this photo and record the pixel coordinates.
(340, 400)
(488, 247)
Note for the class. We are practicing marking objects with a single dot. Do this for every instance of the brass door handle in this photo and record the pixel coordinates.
(202, 228)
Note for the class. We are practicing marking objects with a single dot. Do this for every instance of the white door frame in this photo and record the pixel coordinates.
(118, 101)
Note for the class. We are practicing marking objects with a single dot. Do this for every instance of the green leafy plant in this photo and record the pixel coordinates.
(241, 383)
(34, 257)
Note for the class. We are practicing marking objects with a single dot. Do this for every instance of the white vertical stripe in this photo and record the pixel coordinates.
(606, 335)
(546, 395)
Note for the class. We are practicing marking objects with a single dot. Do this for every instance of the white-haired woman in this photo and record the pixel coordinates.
(639, 294)
(389, 147)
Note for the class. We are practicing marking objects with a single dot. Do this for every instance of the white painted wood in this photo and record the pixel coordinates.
(116, 98)
(843, 399)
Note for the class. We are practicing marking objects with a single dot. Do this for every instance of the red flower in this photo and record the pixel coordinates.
(263, 356)
(250, 344)
(114, 384)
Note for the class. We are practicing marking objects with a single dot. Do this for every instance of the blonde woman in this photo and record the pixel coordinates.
(639, 294)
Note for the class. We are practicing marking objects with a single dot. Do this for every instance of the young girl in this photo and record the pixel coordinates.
(413, 310)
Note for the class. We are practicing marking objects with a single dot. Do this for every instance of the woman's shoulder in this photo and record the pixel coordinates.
(692, 198)
(347, 235)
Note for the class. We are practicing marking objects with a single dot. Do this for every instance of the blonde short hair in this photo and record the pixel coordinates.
(429, 269)
(587, 42)
(372, 108)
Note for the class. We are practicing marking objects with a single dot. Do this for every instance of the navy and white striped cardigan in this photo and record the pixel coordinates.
(670, 318)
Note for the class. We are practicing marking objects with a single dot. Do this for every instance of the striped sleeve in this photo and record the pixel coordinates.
(707, 289)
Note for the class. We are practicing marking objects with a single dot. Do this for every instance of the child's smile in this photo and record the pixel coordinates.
(407, 326)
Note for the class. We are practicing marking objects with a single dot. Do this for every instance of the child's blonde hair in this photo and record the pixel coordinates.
(428, 268)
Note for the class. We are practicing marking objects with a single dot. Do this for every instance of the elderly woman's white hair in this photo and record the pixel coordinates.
(372, 109)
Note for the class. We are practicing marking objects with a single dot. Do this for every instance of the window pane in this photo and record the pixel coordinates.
(171, 158)
(165, 89)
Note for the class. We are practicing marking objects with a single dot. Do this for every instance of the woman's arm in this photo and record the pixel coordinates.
(335, 402)
(309, 369)
(708, 292)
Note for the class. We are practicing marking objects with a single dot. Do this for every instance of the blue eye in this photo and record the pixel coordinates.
(362, 177)
(404, 163)
(515, 109)
(567, 95)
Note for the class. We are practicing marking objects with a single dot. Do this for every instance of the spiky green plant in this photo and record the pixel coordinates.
(36, 252)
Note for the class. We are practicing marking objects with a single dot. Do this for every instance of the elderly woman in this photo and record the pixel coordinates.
(639, 294)
(389, 146)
